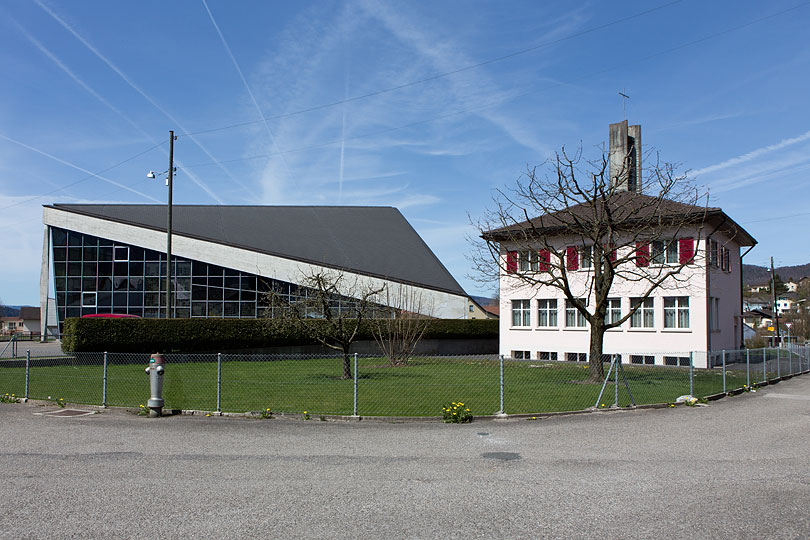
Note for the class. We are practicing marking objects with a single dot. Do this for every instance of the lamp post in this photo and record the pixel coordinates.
(169, 178)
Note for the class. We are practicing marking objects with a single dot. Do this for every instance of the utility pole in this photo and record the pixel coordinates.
(169, 179)
(775, 307)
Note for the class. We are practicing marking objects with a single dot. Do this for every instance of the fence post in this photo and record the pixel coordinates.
(354, 413)
(778, 362)
(747, 369)
(764, 365)
(104, 389)
(691, 373)
(27, 370)
(500, 358)
(219, 382)
(724, 370)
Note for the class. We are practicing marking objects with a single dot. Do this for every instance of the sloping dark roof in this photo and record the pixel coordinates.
(371, 240)
(29, 313)
(626, 208)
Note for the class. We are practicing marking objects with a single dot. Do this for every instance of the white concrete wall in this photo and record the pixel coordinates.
(439, 304)
(657, 340)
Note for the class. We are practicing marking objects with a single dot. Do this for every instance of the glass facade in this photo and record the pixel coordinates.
(96, 275)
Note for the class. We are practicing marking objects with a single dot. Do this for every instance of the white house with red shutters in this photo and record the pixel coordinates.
(696, 311)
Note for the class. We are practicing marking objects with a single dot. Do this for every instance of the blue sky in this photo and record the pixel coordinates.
(719, 87)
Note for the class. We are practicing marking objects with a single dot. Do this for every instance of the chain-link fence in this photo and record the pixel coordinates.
(371, 386)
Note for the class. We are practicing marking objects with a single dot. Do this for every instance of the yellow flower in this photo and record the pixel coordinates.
(141, 405)
(603, 404)
(207, 414)
(468, 410)
(60, 399)
(455, 414)
(534, 418)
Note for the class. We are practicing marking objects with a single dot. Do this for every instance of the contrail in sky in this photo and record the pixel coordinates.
(753, 154)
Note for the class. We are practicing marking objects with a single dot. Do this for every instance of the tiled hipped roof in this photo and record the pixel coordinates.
(627, 209)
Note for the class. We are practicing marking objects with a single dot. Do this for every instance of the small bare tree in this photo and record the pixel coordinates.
(398, 333)
(567, 226)
(330, 310)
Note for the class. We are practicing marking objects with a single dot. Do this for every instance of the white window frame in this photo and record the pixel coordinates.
(86, 296)
(547, 310)
(522, 309)
(116, 258)
(576, 357)
(521, 355)
(642, 359)
(664, 252)
(547, 356)
(678, 311)
(644, 317)
(572, 312)
(585, 254)
(614, 310)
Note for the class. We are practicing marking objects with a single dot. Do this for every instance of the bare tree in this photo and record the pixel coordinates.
(2, 308)
(399, 333)
(569, 209)
(330, 310)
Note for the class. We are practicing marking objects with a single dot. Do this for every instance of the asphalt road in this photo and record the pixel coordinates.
(737, 468)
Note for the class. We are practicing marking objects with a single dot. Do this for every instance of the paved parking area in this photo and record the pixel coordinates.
(737, 468)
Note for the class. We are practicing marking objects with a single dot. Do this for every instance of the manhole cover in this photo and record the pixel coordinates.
(503, 456)
(69, 412)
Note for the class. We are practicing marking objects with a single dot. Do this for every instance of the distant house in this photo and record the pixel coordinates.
(26, 323)
(752, 304)
(758, 318)
(760, 287)
(786, 303)
(792, 286)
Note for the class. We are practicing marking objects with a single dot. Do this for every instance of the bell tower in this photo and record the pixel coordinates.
(624, 157)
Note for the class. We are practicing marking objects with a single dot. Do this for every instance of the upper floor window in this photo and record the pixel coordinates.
(663, 252)
(573, 317)
(547, 312)
(644, 317)
(614, 310)
(676, 312)
(521, 312)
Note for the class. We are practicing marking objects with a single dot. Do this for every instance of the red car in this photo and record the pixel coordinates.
(110, 316)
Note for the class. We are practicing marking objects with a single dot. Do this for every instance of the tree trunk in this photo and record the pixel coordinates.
(596, 372)
(347, 364)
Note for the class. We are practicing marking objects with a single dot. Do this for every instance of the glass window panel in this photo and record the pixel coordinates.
(74, 284)
(214, 270)
(135, 253)
(247, 309)
(121, 269)
(249, 283)
(151, 284)
(89, 268)
(59, 269)
(198, 292)
(73, 312)
(231, 272)
(89, 284)
(182, 313)
(214, 293)
(120, 300)
(74, 268)
(60, 284)
(58, 236)
(151, 313)
(120, 283)
(182, 301)
(136, 284)
(151, 255)
(104, 284)
(232, 282)
(198, 309)
(105, 242)
(136, 299)
(672, 252)
(231, 309)
(248, 295)
(90, 253)
(74, 299)
(231, 294)
(183, 268)
(74, 239)
(669, 318)
(150, 299)
(152, 269)
(105, 269)
(135, 311)
(135, 268)
(59, 254)
(214, 281)
(199, 268)
(266, 285)
(74, 254)
(199, 280)
(104, 299)
(121, 253)
(215, 309)
(105, 253)
(183, 283)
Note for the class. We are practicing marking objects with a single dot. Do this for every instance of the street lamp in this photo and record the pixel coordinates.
(169, 175)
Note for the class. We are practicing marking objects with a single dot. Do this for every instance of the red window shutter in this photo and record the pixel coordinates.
(611, 249)
(544, 257)
(511, 262)
(572, 258)
(642, 254)
(686, 250)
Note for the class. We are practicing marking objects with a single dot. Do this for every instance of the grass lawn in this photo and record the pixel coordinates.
(314, 385)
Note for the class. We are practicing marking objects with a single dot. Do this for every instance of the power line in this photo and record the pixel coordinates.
(440, 75)
(88, 177)
(497, 102)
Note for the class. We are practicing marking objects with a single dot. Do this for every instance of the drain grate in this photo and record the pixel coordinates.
(69, 413)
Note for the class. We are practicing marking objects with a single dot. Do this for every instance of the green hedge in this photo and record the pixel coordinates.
(211, 335)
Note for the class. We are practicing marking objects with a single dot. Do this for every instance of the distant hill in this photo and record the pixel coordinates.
(484, 300)
(754, 275)
(10, 311)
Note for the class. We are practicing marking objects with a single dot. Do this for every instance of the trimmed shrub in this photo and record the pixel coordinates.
(212, 335)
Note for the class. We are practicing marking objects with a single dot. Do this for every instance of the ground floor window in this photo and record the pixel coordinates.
(676, 361)
(547, 355)
(521, 313)
(676, 312)
(642, 359)
(521, 355)
(576, 357)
